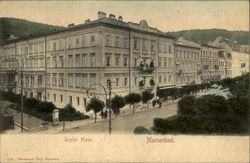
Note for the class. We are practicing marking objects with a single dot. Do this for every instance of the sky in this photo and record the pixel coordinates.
(164, 15)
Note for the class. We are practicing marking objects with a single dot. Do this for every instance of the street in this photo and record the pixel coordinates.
(126, 124)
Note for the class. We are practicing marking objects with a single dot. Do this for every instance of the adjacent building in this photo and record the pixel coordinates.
(187, 62)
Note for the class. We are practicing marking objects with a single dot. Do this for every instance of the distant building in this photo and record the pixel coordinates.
(212, 65)
(240, 63)
(187, 60)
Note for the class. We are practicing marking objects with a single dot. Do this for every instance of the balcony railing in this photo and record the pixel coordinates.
(146, 68)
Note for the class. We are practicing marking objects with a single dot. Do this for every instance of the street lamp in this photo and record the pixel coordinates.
(21, 77)
(106, 98)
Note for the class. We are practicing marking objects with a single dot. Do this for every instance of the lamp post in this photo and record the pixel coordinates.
(106, 98)
(21, 78)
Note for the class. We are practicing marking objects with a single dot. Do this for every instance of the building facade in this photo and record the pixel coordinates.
(61, 66)
(240, 63)
(210, 63)
(187, 62)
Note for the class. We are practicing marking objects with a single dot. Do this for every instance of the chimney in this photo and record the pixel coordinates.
(120, 18)
(111, 16)
(87, 21)
(71, 25)
(101, 14)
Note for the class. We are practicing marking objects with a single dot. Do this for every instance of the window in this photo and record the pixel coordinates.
(170, 48)
(125, 61)
(125, 81)
(117, 82)
(160, 78)
(108, 81)
(125, 42)
(117, 41)
(60, 61)
(77, 43)
(135, 62)
(84, 80)
(48, 62)
(145, 44)
(84, 60)
(48, 79)
(85, 102)
(40, 80)
(108, 59)
(54, 79)
(70, 99)
(54, 62)
(117, 60)
(30, 49)
(78, 101)
(70, 43)
(136, 80)
(54, 46)
(77, 60)
(153, 46)
(84, 42)
(92, 40)
(92, 79)
(159, 61)
(108, 40)
(169, 62)
(54, 97)
(70, 60)
(136, 43)
(61, 78)
(70, 80)
(77, 80)
(61, 97)
(165, 61)
(92, 59)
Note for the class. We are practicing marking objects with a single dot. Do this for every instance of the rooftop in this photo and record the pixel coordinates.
(111, 21)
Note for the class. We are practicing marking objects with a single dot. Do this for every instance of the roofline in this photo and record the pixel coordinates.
(80, 26)
(189, 46)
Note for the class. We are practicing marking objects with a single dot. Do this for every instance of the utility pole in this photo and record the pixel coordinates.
(21, 100)
(110, 87)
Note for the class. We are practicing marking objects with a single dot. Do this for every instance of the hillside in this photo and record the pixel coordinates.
(21, 27)
(208, 35)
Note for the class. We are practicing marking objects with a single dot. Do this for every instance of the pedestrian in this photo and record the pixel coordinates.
(105, 114)
(102, 114)
(159, 102)
(153, 103)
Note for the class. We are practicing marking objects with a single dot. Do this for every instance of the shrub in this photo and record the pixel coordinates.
(31, 103)
(141, 130)
(46, 107)
(186, 105)
(240, 104)
(210, 104)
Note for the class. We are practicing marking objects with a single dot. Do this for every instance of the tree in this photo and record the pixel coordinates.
(117, 103)
(133, 98)
(96, 105)
(146, 96)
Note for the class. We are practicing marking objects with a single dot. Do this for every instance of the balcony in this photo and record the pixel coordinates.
(145, 68)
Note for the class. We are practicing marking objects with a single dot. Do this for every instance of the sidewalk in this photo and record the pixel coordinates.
(126, 111)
